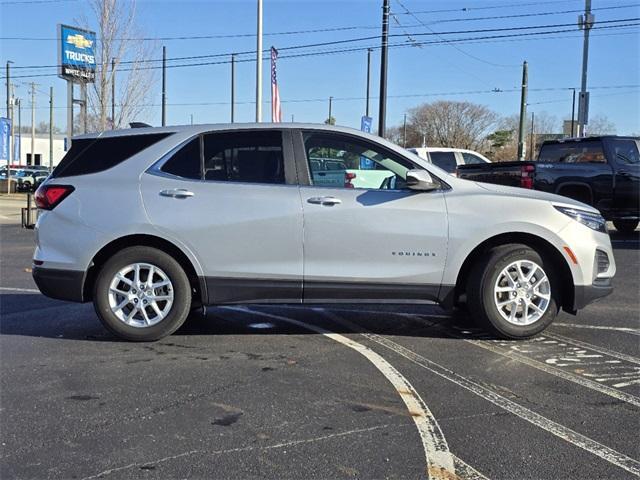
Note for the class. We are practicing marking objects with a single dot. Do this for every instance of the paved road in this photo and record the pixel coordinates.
(349, 392)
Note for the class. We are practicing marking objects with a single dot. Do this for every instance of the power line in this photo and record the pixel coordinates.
(407, 95)
(490, 7)
(353, 49)
(353, 40)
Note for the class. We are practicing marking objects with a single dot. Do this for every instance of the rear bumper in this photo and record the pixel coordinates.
(60, 284)
(586, 294)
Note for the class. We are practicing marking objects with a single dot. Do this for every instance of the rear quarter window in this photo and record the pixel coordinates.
(93, 155)
(573, 152)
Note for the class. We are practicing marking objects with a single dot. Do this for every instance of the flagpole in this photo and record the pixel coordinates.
(259, 65)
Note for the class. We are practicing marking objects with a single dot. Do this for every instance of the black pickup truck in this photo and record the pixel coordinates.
(601, 171)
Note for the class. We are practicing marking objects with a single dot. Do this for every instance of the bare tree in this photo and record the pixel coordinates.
(600, 125)
(119, 39)
(450, 124)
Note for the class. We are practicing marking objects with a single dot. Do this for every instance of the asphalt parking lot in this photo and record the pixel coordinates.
(358, 391)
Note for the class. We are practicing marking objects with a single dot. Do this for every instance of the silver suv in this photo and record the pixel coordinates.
(150, 223)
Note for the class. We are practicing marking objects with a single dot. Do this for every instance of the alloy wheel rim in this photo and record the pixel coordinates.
(141, 295)
(522, 292)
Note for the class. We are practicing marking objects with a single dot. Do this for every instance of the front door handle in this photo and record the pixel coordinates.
(177, 193)
(326, 201)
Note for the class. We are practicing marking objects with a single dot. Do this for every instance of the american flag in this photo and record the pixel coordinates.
(276, 110)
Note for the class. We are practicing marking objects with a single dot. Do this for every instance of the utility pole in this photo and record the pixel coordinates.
(83, 106)
(368, 79)
(259, 65)
(19, 104)
(50, 129)
(113, 93)
(330, 101)
(531, 144)
(523, 113)
(585, 22)
(292, 118)
(573, 113)
(8, 77)
(164, 86)
(191, 118)
(233, 87)
(383, 68)
(404, 131)
(33, 123)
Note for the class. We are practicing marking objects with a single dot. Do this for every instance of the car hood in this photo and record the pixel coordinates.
(535, 195)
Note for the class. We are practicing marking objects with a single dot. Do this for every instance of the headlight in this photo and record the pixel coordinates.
(594, 221)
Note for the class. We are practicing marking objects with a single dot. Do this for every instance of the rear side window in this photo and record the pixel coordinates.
(579, 152)
(92, 155)
(444, 160)
(185, 162)
(251, 157)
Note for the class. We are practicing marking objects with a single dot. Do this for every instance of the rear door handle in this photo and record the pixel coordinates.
(326, 201)
(177, 193)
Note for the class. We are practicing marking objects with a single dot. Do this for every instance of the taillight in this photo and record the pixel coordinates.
(526, 176)
(348, 176)
(49, 196)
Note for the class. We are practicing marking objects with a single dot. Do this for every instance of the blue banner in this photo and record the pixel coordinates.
(365, 126)
(77, 54)
(5, 132)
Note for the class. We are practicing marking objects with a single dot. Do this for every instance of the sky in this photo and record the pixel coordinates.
(485, 71)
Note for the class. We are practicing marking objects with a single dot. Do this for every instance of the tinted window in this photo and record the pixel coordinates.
(186, 161)
(93, 155)
(471, 159)
(626, 151)
(252, 157)
(579, 152)
(444, 160)
(340, 161)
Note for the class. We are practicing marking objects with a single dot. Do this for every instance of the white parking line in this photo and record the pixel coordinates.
(605, 389)
(440, 462)
(608, 454)
(633, 331)
(596, 348)
(25, 290)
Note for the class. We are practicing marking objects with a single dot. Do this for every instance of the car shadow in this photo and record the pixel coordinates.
(625, 241)
(34, 315)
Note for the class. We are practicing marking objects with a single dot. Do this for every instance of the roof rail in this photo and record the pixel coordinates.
(139, 125)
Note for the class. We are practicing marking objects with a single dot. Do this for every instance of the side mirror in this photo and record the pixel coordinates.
(421, 180)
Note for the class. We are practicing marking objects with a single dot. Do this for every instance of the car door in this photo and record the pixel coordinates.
(382, 244)
(232, 199)
(625, 153)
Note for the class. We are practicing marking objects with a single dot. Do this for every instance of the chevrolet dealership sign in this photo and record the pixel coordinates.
(76, 54)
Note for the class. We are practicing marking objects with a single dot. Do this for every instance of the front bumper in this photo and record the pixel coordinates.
(586, 294)
(60, 284)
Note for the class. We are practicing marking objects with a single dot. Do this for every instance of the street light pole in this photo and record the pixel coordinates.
(164, 86)
(113, 93)
(573, 113)
(233, 87)
(330, 101)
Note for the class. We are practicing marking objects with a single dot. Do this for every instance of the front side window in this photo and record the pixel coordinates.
(343, 161)
(445, 160)
(579, 152)
(251, 157)
(471, 159)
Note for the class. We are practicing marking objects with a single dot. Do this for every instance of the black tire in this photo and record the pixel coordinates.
(480, 291)
(178, 312)
(625, 226)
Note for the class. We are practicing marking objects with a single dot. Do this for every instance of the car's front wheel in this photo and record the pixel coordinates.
(514, 291)
(142, 294)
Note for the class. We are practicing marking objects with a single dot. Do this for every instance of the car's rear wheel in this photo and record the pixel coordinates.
(625, 226)
(514, 292)
(142, 294)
